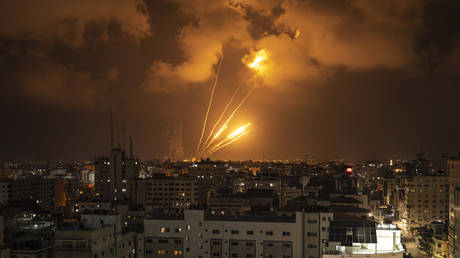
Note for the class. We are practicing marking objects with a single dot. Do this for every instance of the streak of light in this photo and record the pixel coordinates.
(230, 118)
(235, 134)
(219, 132)
(233, 113)
(238, 131)
(215, 146)
(230, 142)
(210, 103)
(222, 129)
(209, 141)
(239, 105)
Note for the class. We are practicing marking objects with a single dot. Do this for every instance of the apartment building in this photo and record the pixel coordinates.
(166, 193)
(102, 177)
(426, 200)
(389, 189)
(4, 250)
(35, 189)
(263, 183)
(253, 201)
(201, 235)
(97, 236)
(93, 205)
(35, 241)
(453, 168)
(440, 246)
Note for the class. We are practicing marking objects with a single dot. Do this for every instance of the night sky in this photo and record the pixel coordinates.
(344, 79)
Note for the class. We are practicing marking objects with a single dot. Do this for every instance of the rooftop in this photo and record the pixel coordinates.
(344, 199)
(348, 209)
(272, 218)
(349, 232)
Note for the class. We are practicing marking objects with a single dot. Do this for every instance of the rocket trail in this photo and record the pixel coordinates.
(207, 148)
(219, 132)
(231, 137)
(233, 113)
(207, 143)
(239, 105)
(210, 103)
(228, 143)
(215, 146)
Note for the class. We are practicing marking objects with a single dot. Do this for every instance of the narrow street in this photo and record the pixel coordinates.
(411, 244)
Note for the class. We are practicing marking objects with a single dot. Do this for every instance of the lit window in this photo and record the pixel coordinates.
(162, 252)
(177, 252)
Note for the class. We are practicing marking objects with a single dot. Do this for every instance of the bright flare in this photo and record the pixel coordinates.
(228, 143)
(238, 131)
(259, 59)
(220, 131)
(232, 137)
(297, 34)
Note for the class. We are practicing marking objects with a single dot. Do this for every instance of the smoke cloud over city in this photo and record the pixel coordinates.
(341, 79)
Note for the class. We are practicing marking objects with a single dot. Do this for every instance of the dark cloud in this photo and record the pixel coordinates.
(439, 39)
(51, 19)
(343, 78)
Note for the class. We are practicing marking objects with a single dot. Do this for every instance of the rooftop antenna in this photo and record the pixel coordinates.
(124, 137)
(111, 129)
(118, 133)
(131, 153)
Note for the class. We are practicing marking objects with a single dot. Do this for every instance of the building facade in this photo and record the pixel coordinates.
(98, 235)
(34, 189)
(199, 235)
(426, 200)
(169, 194)
(363, 239)
(453, 168)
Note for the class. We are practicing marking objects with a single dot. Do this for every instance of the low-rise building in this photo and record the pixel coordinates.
(4, 250)
(363, 239)
(31, 242)
(253, 201)
(440, 246)
(97, 235)
(93, 205)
